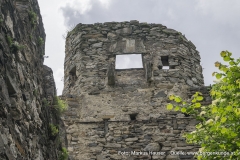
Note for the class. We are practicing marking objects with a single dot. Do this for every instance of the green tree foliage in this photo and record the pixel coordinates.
(219, 127)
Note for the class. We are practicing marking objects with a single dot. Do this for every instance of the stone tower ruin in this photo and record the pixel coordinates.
(121, 113)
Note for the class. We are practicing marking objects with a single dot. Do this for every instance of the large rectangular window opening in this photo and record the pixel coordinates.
(129, 61)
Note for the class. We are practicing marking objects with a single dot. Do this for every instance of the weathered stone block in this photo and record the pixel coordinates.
(92, 144)
(113, 145)
(97, 45)
(152, 147)
(130, 46)
(131, 139)
(172, 157)
(111, 75)
(160, 94)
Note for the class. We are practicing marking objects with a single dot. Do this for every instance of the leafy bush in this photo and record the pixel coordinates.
(219, 127)
(59, 104)
(64, 154)
(53, 129)
(40, 41)
(14, 46)
(32, 17)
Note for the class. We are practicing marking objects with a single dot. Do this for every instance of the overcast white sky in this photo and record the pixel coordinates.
(212, 25)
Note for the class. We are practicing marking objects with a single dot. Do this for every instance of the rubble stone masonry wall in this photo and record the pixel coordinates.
(26, 85)
(116, 110)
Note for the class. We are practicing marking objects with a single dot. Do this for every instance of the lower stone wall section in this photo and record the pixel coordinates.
(132, 140)
(148, 137)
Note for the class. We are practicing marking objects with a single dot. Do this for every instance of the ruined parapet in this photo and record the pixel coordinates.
(133, 98)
